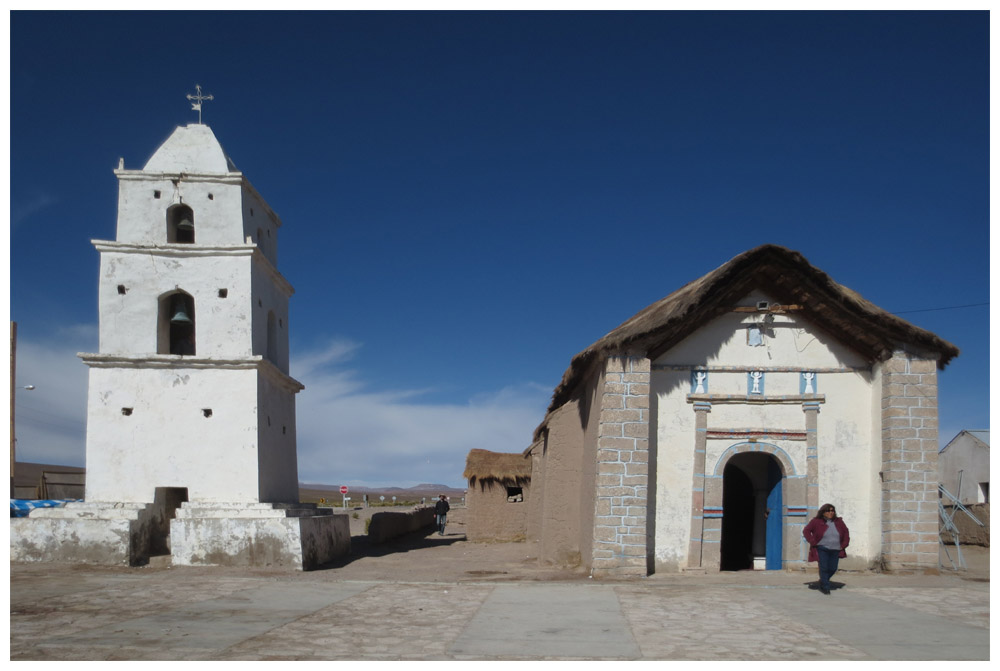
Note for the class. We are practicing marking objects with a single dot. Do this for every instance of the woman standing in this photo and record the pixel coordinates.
(827, 536)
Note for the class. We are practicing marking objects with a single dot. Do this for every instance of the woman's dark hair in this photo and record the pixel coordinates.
(825, 507)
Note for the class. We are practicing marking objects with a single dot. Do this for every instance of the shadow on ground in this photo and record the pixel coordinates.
(361, 546)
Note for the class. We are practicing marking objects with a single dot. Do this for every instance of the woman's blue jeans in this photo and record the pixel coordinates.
(828, 561)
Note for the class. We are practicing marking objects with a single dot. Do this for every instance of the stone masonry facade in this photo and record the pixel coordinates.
(909, 462)
(621, 500)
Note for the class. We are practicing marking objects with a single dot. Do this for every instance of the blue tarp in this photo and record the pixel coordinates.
(21, 507)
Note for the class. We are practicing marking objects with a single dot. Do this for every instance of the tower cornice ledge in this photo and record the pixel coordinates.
(143, 175)
(183, 250)
(179, 362)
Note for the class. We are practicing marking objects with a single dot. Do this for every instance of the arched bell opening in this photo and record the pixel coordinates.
(176, 324)
(752, 484)
(180, 224)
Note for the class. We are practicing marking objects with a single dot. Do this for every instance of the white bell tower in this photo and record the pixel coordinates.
(190, 389)
(190, 409)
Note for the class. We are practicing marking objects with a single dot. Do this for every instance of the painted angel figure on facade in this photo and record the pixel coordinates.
(699, 379)
(808, 377)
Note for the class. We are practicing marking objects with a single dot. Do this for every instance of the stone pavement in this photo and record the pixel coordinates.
(63, 612)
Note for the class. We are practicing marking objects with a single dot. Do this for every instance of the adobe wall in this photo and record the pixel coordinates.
(969, 533)
(492, 517)
(590, 418)
(560, 514)
(389, 525)
(533, 524)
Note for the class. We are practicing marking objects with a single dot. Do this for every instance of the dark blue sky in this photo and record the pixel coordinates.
(470, 198)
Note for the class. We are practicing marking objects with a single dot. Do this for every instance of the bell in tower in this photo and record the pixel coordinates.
(180, 224)
(182, 325)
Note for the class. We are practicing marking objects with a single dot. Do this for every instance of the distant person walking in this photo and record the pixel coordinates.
(441, 509)
(827, 536)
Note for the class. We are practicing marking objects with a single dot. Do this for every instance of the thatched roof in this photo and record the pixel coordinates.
(781, 273)
(503, 467)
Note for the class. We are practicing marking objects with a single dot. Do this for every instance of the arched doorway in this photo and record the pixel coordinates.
(751, 512)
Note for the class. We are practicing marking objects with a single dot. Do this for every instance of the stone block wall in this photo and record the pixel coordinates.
(909, 462)
(620, 535)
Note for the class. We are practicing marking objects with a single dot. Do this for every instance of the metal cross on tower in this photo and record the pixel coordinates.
(199, 99)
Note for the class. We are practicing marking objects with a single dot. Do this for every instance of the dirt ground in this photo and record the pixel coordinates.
(426, 556)
(433, 558)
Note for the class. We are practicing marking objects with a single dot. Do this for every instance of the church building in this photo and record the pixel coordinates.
(703, 433)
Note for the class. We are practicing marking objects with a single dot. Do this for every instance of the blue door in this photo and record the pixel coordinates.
(774, 526)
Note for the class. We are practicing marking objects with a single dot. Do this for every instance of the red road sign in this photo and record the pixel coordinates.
(343, 489)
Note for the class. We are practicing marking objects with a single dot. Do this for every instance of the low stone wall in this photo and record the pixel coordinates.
(970, 533)
(386, 526)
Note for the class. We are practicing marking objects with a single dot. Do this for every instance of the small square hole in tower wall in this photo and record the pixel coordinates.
(211, 197)
(121, 290)
(156, 194)
(126, 411)
(223, 293)
(207, 412)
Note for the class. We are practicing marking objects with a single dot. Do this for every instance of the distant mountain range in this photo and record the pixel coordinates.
(422, 489)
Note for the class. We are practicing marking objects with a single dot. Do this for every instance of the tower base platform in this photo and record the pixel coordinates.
(296, 535)
(283, 535)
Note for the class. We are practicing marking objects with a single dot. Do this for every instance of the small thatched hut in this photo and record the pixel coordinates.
(499, 486)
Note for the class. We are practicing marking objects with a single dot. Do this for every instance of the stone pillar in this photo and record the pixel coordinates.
(620, 536)
(811, 410)
(909, 462)
(701, 411)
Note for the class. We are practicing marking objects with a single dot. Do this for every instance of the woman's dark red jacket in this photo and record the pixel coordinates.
(814, 534)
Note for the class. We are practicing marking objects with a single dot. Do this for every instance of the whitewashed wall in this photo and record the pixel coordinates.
(848, 452)
(215, 457)
(142, 217)
(129, 322)
(277, 458)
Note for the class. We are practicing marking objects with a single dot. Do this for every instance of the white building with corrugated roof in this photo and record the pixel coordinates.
(964, 466)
